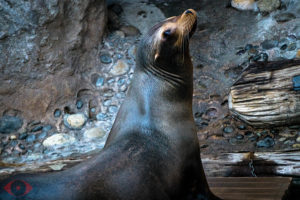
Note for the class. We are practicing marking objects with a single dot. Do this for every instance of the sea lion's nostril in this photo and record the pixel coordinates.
(188, 12)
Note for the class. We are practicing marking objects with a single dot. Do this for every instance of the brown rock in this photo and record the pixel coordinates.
(130, 30)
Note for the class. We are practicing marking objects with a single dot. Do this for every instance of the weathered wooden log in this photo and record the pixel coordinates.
(268, 94)
(252, 163)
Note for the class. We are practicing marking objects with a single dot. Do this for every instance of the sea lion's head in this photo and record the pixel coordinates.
(165, 48)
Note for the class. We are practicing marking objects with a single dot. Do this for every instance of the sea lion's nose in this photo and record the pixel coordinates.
(188, 12)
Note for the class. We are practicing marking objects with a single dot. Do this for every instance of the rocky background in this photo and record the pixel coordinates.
(66, 65)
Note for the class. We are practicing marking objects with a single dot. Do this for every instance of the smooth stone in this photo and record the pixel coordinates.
(21, 146)
(79, 104)
(282, 139)
(105, 58)
(75, 121)
(284, 17)
(58, 139)
(228, 129)
(57, 167)
(292, 47)
(283, 47)
(289, 142)
(57, 113)
(23, 136)
(9, 124)
(296, 145)
(119, 68)
(13, 137)
(239, 137)
(42, 135)
(93, 110)
(107, 102)
(96, 132)
(269, 44)
(242, 127)
(31, 138)
(121, 82)
(100, 81)
(112, 109)
(298, 139)
(101, 116)
(47, 128)
(37, 128)
(266, 142)
(268, 5)
(130, 30)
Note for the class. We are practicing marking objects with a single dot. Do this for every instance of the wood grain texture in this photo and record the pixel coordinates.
(265, 95)
(249, 188)
(264, 163)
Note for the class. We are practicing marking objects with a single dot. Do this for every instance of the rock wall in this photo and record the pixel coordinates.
(46, 47)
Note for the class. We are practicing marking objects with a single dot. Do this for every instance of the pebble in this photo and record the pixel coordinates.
(21, 146)
(58, 139)
(298, 139)
(289, 142)
(75, 121)
(269, 44)
(93, 110)
(228, 129)
(96, 132)
(282, 139)
(119, 68)
(130, 30)
(57, 113)
(283, 47)
(47, 128)
(100, 81)
(57, 167)
(101, 116)
(107, 102)
(292, 47)
(37, 128)
(121, 82)
(296, 145)
(266, 142)
(268, 5)
(13, 143)
(23, 136)
(42, 135)
(13, 137)
(284, 17)
(31, 138)
(112, 109)
(265, 57)
(79, 104)
(239, 137)
(9, 124)
(242, 127)
(105, 58)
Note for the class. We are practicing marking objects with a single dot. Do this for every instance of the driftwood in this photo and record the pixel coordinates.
(250, 164)
(268, 94)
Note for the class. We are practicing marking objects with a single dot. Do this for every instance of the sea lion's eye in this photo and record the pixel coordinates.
(167, 33)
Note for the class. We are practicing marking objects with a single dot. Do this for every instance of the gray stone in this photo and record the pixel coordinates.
(96, 132)
(75, 121)
(101, 116)
(267, 142)
(284, 17)
(105, 58)
(79, 104)
(58, 140)
(268, 5)
(47, 128)
(9, 124)
(119, 68)
(57, 113)
(228, 129)
(31, 138)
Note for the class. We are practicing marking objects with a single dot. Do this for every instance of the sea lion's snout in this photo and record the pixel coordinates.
(188, 20)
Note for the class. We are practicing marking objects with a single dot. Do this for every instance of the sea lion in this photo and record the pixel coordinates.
(152, 151)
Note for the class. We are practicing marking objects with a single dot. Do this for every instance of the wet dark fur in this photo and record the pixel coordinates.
(152, 151)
